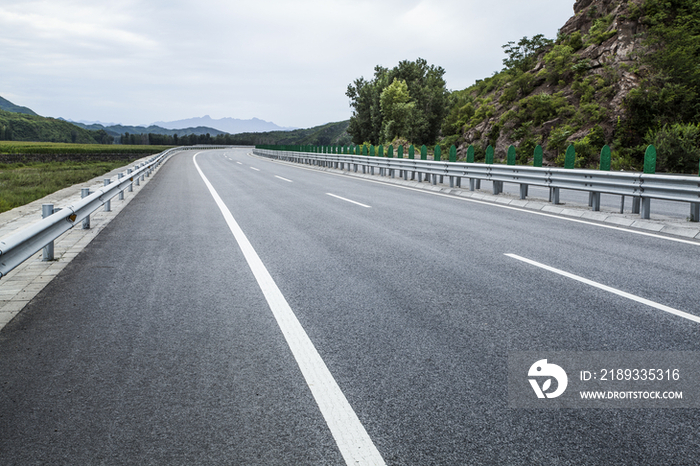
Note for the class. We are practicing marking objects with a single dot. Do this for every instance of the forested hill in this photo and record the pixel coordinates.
(10, 107)
(620, 72)
(328, 134)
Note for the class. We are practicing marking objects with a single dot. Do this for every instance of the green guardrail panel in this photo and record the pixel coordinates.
(390, 152)
(650, 160)
(380, 151)
(538, 155)
(453, 153)
(400, 151)
(570, 157)
(470, 154)
(437, 153)
(411, 152)
(511, 155)
(489, 155)
(605, 158)
(423, 152)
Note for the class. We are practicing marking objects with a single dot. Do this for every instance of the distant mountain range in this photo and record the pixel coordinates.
(228, 125)
(200, 125)
(23, 124)
(118, 130)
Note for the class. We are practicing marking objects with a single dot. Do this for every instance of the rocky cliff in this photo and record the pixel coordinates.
(554, 93)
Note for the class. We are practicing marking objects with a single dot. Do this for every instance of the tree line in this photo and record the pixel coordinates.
(153, 139)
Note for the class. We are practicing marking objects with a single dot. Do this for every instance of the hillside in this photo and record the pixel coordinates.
(10, 107)
(330, 133)
(613, 76)
(117, 130)
(27, 127)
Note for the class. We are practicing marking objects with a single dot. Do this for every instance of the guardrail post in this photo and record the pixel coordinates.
(108, 204)
(595, 202)
(554, 195)
(523, 191)
(695, 211)
(646, 208)
(497, 187)
(129, 171)
(635, 204)
(121, 193)
(46, 211)
(470, 159)
(85, 192)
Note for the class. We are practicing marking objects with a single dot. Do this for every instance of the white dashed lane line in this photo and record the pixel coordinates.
(624, 294)
(348, 200)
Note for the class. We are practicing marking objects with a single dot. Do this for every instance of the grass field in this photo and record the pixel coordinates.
(14, 147)
(22, 183)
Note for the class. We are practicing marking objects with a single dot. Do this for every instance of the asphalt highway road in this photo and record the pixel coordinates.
(162, 343)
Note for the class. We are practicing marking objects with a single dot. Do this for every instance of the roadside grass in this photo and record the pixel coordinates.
(22, 183)
(34, 148)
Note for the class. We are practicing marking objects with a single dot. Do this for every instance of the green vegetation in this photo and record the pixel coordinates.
(666, 105)
(408, 101)
(26, 127)
(21, 183)
(95, 150)
(570, 90)
(324, 135)
(10, 107)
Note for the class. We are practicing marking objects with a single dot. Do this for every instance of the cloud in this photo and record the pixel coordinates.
(137, 61)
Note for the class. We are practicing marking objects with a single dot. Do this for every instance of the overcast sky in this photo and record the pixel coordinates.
(289, 62)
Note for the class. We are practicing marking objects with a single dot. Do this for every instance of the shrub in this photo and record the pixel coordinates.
(677, 147)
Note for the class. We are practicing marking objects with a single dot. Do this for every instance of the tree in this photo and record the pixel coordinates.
(427, 92)
(397, 110)
(521, 56)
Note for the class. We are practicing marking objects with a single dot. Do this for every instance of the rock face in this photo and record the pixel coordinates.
(606, 38)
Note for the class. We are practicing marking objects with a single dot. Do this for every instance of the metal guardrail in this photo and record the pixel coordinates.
(641, 187)
(21, 245)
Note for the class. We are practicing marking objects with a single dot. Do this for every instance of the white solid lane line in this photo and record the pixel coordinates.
(609, 289)
(348, 200)
(283, 179)
(256, 169)
(350, 435)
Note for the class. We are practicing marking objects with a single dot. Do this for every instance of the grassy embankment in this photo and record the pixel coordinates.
(25, 177)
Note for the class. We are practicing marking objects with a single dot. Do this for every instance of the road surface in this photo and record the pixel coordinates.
(181, 334)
